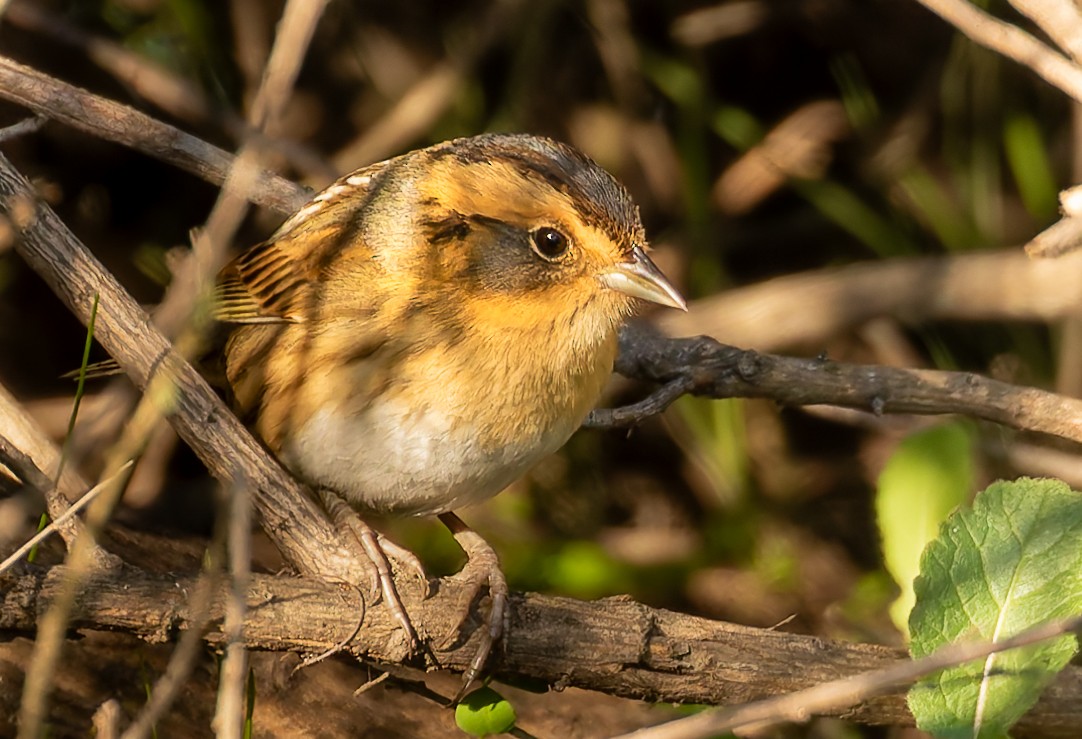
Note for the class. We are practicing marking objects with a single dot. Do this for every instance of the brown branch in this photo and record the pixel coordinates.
(614, 645)
(632, 415)
(22, 128)
(710, 369)
(801, 705)
(99, 558)
(1060, 19)
(36, 460)
(157, 84)
(290, 517)
(229, 712)
(809, 308)
(1060, 238)
(111, 121)
(1066, 234)
(1010, 41)
(26, 469)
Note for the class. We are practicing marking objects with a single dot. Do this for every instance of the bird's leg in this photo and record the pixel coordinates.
(378, 549)
(403, 558)
(482, 566)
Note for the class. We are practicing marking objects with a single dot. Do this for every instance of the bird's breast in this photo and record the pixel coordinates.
(452, 429)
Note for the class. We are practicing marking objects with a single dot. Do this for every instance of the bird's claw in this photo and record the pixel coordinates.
(379, 550)
(482, 567)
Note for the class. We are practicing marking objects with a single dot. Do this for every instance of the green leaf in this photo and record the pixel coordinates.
(1028, 158)
(484, 712)
(1013, 561)
(932, 203)
(249, 709)
(80, 391)
(737, 127)
(928, 476)
(846, 208)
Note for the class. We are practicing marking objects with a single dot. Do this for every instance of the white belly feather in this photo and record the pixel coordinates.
(392, 459)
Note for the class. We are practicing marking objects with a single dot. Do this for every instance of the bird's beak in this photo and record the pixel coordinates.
(640, 278)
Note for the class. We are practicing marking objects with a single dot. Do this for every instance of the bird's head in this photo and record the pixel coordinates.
(535, 235)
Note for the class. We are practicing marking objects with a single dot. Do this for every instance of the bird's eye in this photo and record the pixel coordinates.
(549, 243)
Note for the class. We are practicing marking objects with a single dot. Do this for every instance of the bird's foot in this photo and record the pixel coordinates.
(380, 552)
(482, 567)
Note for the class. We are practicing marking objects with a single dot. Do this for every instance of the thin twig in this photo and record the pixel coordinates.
(1060, 19)
(157, 84)
(112, 121)
(1063, 236)
(200, 417)
(808, 308)
(1010, 41)
(296, 28)
(711, 369)
(631, 415)
(74, 508)
(106, 720)
(189, 647)
(210, 244)
(23, 127)
(838, 694)
(229, 713)
(24, 435)
(53, 623)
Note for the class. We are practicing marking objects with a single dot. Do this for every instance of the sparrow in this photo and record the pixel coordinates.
(427, 328)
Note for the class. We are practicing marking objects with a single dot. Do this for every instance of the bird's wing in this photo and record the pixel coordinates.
(272, 281)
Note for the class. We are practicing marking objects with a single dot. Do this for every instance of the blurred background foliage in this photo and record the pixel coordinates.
(760, 137)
